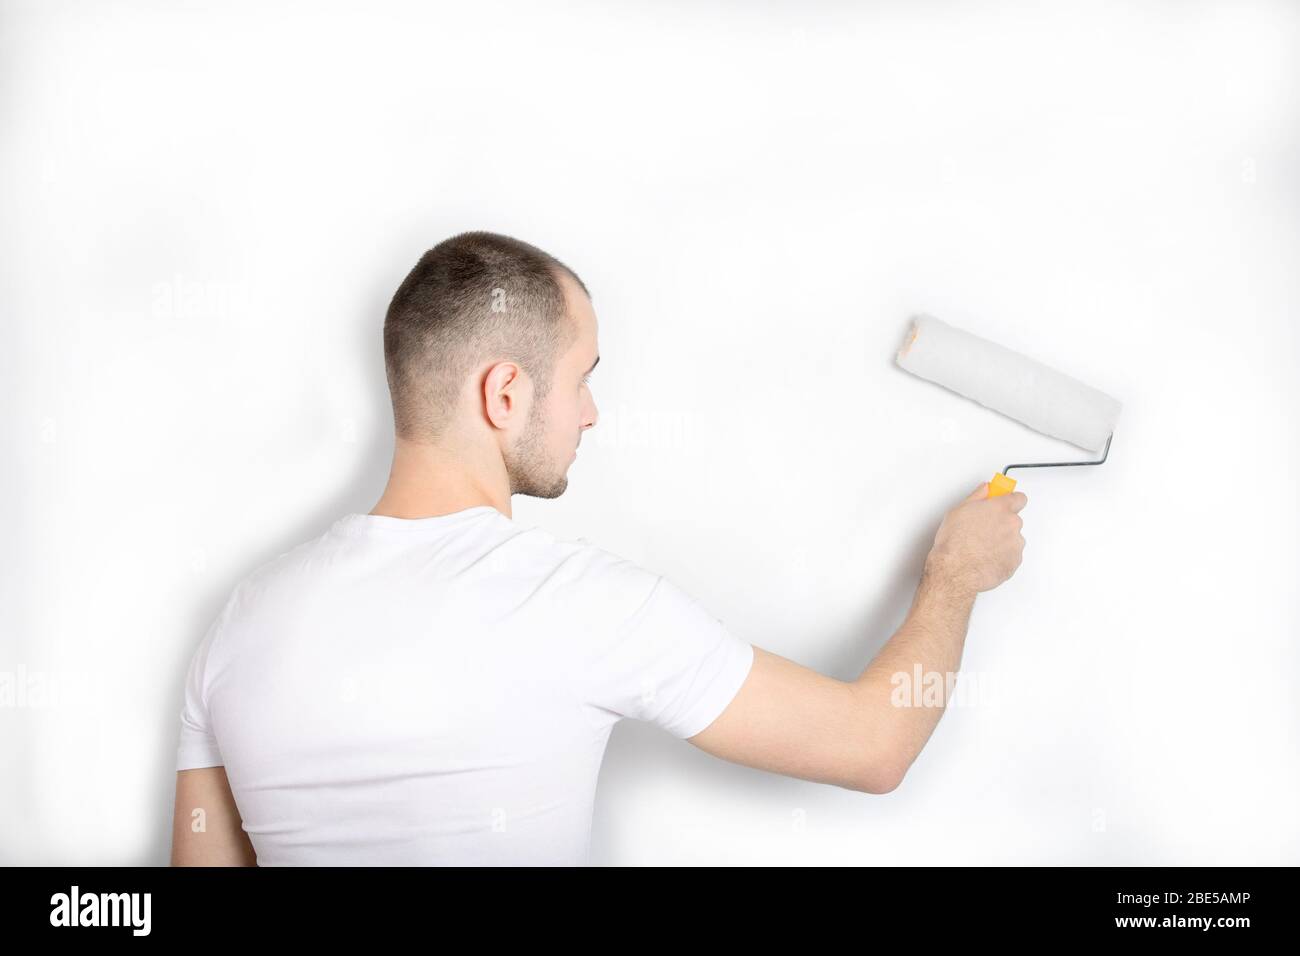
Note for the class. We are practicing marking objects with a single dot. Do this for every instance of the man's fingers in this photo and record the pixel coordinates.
(1017, 500)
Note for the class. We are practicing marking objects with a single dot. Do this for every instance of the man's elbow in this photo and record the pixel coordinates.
(883, 774)
(880, 785)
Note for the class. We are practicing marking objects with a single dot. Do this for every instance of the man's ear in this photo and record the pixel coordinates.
(506, 391)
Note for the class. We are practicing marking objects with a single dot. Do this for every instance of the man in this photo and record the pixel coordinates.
(434, 683)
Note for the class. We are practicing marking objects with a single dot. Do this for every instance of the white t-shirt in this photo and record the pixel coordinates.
(440, 691)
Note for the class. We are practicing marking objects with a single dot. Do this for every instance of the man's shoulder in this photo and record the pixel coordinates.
(581, 563)
(270, 575)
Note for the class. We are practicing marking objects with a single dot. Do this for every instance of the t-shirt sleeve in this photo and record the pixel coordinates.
(670, 662)
(198, 745)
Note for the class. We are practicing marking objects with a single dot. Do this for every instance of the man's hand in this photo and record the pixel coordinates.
(979, 544)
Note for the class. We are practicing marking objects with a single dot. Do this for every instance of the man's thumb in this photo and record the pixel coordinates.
(981, 492)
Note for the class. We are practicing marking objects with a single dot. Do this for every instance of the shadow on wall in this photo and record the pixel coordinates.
(358, 493)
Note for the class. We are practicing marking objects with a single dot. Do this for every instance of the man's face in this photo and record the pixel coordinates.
(538, 462)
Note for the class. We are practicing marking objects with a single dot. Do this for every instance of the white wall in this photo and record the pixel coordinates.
(207, 210)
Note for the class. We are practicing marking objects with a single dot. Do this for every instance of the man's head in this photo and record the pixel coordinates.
(487, 345)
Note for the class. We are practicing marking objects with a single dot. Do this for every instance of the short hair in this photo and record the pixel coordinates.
(473, 297)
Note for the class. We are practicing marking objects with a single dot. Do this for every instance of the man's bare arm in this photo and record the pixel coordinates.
(215, 835)
(792, 720)
(931, 640)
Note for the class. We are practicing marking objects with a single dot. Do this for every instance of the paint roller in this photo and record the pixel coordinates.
(1015, 385)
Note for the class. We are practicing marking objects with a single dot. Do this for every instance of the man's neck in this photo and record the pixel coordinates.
(427, 481)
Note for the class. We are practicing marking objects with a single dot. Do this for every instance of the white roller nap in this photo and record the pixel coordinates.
(1015, 385)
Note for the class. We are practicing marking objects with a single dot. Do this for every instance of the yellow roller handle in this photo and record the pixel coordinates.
(1000, 484)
